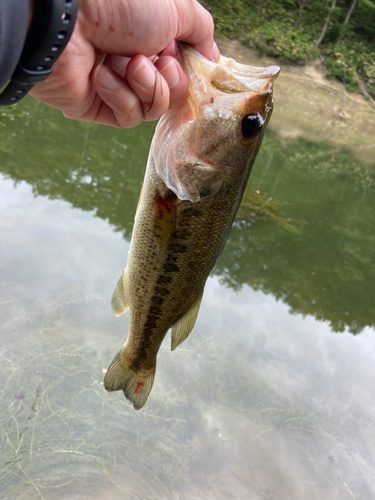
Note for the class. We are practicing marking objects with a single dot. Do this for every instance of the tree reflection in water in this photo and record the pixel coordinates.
(304, 232)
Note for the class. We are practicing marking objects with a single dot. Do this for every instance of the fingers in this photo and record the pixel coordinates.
(149, 85)
(144, 95)
(122, 106)
(176, 79)
(164, 82)
(144, 91)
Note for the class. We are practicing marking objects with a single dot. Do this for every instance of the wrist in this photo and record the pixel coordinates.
(50, 28)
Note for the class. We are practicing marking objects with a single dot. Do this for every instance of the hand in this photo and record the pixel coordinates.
(108, 73)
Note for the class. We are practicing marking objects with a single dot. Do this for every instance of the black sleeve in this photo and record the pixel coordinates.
(13, 30)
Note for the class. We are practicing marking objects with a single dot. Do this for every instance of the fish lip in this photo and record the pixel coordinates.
(245, 70)
(240, 68)
(250, 78)
(256, 79)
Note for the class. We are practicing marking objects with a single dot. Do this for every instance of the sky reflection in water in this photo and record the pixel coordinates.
(264, 399)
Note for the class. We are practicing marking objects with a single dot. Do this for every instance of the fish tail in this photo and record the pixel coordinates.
(136, 386)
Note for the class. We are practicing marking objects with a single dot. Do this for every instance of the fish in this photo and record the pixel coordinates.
(199, 163)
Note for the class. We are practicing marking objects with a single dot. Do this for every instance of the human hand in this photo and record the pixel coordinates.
(108, 73)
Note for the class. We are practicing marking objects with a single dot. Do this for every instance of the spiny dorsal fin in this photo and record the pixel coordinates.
(184, 325)
(135, 386)
(118, 302)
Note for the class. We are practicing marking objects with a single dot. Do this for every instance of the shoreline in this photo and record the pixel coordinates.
(310, 106)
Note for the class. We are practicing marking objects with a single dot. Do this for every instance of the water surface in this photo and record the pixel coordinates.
(271, 396)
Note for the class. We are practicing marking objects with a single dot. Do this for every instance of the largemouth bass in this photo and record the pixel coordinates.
(199, 163)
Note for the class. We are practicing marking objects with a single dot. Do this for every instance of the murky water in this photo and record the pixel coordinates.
(272, 395)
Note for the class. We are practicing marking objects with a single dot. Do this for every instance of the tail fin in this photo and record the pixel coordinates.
(136, 387)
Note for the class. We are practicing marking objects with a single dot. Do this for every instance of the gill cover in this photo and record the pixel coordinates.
(177, 148)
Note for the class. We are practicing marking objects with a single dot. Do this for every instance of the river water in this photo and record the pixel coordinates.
(272, 395)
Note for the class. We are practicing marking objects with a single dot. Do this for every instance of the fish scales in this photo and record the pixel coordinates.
(178, 270)
(199, 163)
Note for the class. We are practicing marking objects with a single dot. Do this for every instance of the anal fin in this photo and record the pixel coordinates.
(118, 302)
(182, 328)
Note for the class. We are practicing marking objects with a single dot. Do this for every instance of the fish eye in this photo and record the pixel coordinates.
(251, 125)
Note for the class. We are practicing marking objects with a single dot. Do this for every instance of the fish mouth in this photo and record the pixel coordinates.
(229, 76)
(253, 78)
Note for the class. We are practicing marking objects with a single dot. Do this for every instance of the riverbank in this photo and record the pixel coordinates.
(340, 33)
(310, 106)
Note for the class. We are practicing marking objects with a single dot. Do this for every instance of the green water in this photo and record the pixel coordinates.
(272, 395)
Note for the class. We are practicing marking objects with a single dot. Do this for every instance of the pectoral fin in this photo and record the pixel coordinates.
(184, 325)
(118, 303)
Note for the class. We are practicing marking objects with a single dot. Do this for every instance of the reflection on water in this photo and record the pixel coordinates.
(326, 266)
(258, 403)
(312, 245)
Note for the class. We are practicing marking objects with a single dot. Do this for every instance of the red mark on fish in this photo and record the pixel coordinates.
(96, 23)
(112, 28)
(139, 388)
(162, 204)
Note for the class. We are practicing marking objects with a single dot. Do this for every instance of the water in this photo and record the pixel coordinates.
(272, 395)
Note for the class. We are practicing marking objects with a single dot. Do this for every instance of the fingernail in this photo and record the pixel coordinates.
(105, 78)
(171, 74)
(144, 73)
(215, 53)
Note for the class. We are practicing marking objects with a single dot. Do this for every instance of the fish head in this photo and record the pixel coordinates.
(211, 140)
